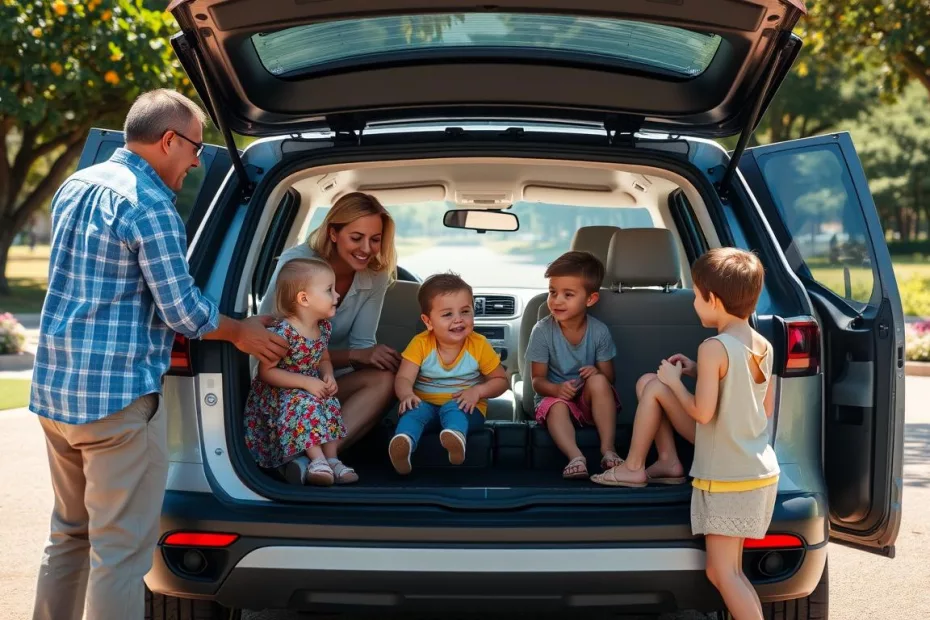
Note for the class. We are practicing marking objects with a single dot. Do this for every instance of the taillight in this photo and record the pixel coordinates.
(199, 539)
(802, 353)
(181, 357)
(774, 541)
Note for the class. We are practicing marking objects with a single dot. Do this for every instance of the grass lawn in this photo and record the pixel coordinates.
(28, 274)
(14, 393)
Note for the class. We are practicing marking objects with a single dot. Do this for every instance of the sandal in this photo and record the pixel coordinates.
(319, 473)
(611, 459)
(577, 469)
(610, 478)
(343, 473)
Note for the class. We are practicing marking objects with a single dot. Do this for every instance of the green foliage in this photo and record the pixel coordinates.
(915, 296)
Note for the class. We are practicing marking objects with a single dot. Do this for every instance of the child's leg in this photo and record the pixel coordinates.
(456, 425)
(742, 546)
(329, 450)
(562, 429)
(315, 452)
(668, 465)
(598, 395)
(410, 428)
(724, 555)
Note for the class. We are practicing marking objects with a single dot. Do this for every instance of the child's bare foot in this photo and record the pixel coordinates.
(666, 472)
(621, 476)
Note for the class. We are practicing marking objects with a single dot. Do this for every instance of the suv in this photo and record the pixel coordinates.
(592, 122)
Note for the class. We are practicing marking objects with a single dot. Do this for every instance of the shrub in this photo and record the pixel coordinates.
(917, 342)
(915, 296)
(12, 334)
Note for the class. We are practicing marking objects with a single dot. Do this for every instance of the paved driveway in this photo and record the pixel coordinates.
(863, 586)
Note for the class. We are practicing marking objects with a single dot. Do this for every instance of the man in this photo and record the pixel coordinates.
(119, 288)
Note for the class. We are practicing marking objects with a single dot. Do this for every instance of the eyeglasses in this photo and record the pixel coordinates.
(198, 146)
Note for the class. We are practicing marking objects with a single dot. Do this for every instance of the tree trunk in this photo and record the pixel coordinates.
(6, 242)
(916, 68)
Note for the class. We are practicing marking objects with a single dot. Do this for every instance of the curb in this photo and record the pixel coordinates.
(17, 362)
(917, 369)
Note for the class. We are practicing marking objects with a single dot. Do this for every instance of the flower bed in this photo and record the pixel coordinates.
(12, 335)
(917, 342)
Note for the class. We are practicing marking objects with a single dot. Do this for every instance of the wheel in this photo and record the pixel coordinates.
(161, 607)
(813, 607)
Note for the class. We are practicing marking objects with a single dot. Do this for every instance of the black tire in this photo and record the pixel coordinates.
(161, 607)
(813, 607)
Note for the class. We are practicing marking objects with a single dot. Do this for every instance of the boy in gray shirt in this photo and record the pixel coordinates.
(571, 356)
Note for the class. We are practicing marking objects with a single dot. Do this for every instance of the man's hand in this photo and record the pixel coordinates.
(568, 390)
(468, 399)
(586, 372)
(253, 337)
(688, 366)
(408, 403)
(380, 356)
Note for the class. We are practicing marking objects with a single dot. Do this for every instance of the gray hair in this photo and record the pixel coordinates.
(157, 111)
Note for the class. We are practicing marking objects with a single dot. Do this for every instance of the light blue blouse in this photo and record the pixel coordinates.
(358, 314)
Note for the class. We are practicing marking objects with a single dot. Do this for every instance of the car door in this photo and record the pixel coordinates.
(200, 186)
(816, 198)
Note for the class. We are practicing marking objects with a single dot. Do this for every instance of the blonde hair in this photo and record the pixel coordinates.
(295, 276)
(345, 211)
(735, 276)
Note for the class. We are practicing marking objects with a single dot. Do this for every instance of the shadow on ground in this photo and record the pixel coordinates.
(917, 455)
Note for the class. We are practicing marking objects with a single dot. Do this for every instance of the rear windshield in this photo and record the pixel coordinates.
(329, 45)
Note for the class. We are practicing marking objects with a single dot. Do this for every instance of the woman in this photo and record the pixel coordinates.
(357, 239)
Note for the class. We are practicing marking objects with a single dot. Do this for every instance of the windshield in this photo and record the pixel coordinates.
(496, 259)
(328, 45)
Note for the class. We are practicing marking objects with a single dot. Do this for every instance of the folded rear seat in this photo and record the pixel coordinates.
(650, 318)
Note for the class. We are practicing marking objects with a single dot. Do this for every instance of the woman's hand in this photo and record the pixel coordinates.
(586, 372)
(316, 387)
(669, 373)
(408, 403)
(331, 386)
(688, 366)
(468, 399)
(568, 390)
(380, 356)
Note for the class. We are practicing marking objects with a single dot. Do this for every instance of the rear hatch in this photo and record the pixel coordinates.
(699, 67)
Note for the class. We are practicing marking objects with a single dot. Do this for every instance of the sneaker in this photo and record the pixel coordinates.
(295, 471)
(399, 450)
(454, 443)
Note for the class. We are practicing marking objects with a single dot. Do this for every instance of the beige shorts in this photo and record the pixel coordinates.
(740, 514)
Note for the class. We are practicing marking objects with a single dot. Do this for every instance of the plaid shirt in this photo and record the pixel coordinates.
(118, 288)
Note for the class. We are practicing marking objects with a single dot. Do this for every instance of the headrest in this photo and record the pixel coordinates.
(642, 257)
(594, 239)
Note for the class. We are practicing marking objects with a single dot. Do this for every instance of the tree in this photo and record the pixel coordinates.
(64, 67)
(862, 34)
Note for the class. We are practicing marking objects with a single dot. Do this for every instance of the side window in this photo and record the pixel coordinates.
(814, 193)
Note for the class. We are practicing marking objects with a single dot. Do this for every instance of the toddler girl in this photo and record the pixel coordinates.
(292, 409)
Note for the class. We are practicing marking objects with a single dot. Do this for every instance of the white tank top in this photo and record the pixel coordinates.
(734, 445)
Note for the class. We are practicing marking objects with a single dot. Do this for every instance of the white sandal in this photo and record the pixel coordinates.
(319, 473)
(343, 473)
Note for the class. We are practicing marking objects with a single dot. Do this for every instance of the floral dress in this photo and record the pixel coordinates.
(281, 423)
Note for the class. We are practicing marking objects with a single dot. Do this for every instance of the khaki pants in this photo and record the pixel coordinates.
(109, 480)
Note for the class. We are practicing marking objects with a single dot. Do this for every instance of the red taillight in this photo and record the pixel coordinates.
(774, 541)
(199, 539)
(802, 356)
(181, 356)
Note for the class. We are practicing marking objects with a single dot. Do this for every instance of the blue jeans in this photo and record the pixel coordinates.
(427, 416)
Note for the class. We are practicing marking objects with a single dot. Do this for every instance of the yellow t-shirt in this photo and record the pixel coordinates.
(732, 486)
(436, 383)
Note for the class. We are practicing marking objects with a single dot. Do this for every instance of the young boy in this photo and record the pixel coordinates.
(735, 470)
(572, 363)
(446, 374)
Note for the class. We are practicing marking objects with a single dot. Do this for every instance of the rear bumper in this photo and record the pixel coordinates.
(330, 566)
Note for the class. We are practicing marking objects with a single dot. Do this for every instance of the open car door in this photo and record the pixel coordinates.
(816, 198)
(200, 186)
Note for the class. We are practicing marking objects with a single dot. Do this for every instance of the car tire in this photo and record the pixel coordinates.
(161, 607)
(813, 607)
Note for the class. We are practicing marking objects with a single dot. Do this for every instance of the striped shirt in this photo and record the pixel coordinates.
(118, 289)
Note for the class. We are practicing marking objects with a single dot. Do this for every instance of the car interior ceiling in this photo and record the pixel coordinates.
(647, 323)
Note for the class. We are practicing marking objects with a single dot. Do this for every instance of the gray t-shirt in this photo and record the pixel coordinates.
(548, 346)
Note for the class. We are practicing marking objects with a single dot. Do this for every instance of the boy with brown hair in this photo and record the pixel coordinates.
(447, 374)
(571, 356)
(735, 469)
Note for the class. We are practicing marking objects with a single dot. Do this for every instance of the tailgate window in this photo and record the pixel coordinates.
(324, 46)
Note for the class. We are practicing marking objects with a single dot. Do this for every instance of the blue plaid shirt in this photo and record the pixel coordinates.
(118, 289)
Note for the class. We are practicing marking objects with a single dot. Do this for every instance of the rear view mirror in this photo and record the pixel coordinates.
(481, 220)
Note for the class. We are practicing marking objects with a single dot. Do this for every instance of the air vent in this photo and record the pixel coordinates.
(495, 305)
